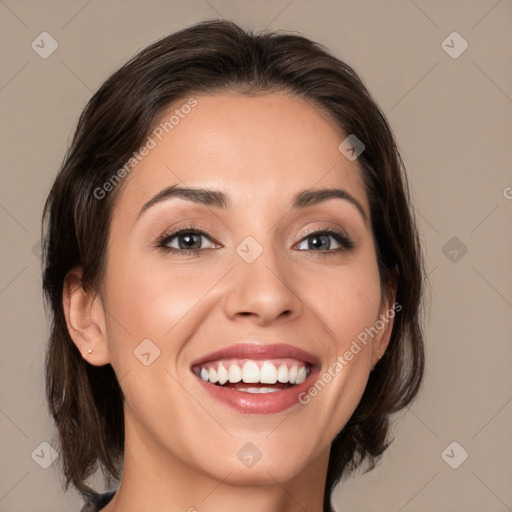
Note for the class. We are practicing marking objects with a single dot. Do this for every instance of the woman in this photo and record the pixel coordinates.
(234, 276)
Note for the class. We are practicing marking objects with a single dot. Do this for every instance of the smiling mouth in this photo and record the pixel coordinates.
(254, 376)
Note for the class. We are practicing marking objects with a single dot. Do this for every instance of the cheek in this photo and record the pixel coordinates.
(347, 301)
(153, 312)
(347, 305)
(148, 301)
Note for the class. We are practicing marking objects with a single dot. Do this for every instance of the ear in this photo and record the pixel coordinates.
(85, 319)
(387, 312)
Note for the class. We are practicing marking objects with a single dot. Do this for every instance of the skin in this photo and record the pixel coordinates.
(260, 151)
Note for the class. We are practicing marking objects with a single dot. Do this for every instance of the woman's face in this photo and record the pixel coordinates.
(260, 278)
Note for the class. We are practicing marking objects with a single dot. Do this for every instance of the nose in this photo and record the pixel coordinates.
(262, 290)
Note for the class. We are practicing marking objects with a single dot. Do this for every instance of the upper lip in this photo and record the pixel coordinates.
(255, 350)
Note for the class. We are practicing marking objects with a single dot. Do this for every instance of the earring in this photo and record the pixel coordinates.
(90, 350)
(373, 366)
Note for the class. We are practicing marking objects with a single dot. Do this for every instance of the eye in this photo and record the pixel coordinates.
(188, 240)
(320, 241)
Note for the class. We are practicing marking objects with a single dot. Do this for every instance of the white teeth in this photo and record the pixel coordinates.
(222, 373)
(234, 374)
(250, 372)
(268, 373)
(258, 390)
(212, 375)
(301, 375)
(293, 374)
(282, 373)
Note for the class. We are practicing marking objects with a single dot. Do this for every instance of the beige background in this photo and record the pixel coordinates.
(452, 119)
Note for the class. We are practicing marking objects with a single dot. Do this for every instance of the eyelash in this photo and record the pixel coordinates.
(167, 237)
(341, 237)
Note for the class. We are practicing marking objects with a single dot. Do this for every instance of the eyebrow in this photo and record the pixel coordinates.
(218, 199)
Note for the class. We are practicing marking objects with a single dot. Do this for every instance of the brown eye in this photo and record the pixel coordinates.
(322, 241)
(188, 241)
(185, 240)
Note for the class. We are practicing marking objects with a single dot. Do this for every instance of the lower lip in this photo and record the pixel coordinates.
(260, 403)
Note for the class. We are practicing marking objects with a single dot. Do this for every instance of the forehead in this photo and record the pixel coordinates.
(257, 149)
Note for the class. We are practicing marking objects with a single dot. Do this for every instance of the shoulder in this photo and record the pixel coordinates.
(97, 501)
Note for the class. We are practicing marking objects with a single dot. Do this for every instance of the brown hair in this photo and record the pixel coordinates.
(212, 56)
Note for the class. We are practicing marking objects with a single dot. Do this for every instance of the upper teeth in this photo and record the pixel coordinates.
(264, 372)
